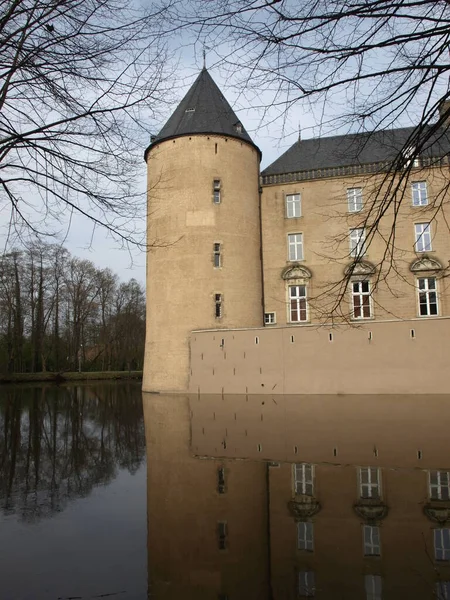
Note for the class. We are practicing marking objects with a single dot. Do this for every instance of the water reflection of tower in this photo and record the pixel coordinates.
(207, 519)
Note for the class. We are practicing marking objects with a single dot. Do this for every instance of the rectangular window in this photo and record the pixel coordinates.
(305, 536)
(443, 590)
(218, 306)
(217, 256)
(371, 535)
(373, 585)
(357, 242)
(216, 191)
(439, 485)
(361, 300)
(423, 237)
(295, 246)
(222, 534)
(419, 193)
(442, 544)
(293, 206)
(428, 303)
(306, 584)
(369, 482)
(354, 199)
(270, 318)
(304, 479)
(221, 480)
(298, 304)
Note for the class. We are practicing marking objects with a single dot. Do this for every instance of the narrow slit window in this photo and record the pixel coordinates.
(217, 255)
(218, 306)
(216, 191)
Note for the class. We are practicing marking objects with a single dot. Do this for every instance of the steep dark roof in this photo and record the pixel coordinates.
(203, 110)
(355, 149)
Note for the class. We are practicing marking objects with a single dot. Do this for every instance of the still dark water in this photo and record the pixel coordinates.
(106, 492)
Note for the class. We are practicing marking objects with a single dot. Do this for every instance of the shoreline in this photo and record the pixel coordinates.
(68, 376)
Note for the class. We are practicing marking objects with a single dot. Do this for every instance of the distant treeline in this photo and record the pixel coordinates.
(60, 313)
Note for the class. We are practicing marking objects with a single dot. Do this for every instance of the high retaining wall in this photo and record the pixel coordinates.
(388, 357)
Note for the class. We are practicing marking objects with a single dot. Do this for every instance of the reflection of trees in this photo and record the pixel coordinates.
(56, 444)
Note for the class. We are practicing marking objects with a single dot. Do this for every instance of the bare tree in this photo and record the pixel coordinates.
(79, 82)
(359, 66)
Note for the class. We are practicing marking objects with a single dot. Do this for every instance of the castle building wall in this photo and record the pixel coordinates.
(325, 225)
(184, 283)
(380, 357)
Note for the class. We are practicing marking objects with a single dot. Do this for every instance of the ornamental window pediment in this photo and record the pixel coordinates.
(296, 272)
(425, 263)
(360, 268)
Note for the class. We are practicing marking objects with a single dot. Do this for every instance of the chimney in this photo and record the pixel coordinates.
(444, 112)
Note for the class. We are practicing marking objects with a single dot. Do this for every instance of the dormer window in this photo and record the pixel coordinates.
(190, 110)
(238, 127)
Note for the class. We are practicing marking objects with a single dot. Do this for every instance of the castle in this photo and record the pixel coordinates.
(285, 281)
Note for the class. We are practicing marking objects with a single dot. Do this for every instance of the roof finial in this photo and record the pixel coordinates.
(299, 132)
(204, 56)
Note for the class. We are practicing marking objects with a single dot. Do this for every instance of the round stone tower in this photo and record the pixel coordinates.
(203, 231)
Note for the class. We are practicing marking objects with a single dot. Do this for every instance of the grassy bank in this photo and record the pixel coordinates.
(75, 376)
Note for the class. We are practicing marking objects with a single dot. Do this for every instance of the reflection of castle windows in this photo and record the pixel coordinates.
(221, 480)
(306, 584)
(439, 485)
(305, 536)
(442, 544)
(371, 535)
(373, 585)
(304, 479)
(443, 590)
(222, 532)
(369, 482)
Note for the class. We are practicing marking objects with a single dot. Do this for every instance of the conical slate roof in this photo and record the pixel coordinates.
(203, 110)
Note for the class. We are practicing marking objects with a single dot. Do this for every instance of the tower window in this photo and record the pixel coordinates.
(217, 256)
(218, 305)
(216, 191)
(221, 480)
(222, 531)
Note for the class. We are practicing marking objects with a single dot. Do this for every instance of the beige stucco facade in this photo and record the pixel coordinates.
(184, 223)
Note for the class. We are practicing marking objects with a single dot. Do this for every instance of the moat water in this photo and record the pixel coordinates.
(106, 492)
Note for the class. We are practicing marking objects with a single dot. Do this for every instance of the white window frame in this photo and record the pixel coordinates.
(443, 590)
(300, 298)
(371, 540)
(270, 318)
(442, 543)
(360, 295)
(293, 203)
(305, 536)
(303, 478)
(217, 191)
(422, 236)
(295, 246)
(354, 199)
(426, 293)
(371, 489)
(357, 241)
(374, 587)
(419, 192)
(306, 584)
(441, 489)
